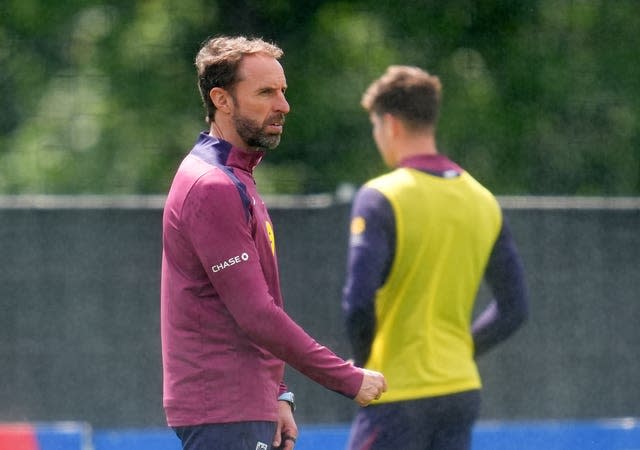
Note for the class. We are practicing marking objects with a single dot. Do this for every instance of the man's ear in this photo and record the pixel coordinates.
(393, 124)
(221, 99)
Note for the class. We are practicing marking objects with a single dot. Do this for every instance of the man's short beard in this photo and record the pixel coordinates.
(253, 134)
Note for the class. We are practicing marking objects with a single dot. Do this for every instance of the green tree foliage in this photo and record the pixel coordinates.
(540, 96)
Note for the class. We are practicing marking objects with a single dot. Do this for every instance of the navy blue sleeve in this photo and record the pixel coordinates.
(509, 308)
(371, 251)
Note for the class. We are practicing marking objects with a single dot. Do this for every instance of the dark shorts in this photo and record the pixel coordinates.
(228, 436)
(436, 423)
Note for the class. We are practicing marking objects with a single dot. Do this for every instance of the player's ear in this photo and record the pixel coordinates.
(391, 124)
(221, 99)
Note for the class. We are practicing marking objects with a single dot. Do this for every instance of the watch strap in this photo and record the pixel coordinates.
(289, 398)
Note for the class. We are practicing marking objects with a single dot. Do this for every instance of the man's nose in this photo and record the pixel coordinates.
(282, 105)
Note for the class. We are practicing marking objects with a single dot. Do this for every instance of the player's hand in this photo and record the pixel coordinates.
(286, 429)
(373, 385)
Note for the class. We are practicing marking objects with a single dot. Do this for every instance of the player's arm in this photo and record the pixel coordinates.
(371, 250)
(220, 233)
(509, 308)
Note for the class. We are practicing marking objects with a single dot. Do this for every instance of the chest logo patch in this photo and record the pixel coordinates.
(358, 225)
(272, 236)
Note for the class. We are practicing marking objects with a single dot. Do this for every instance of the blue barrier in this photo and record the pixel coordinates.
(618, 434)
(145, 439)
(314, 437)
(615, 434)
(63, 436)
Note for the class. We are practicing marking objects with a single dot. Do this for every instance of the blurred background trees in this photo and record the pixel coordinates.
(540, 96)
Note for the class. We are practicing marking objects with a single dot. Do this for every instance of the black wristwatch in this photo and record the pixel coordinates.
(290, 399)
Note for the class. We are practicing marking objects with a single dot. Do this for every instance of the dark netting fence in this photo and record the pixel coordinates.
(79, 300)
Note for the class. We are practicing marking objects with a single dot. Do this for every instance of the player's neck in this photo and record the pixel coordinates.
(415, 145)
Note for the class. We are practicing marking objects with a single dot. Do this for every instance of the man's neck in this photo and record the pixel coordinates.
(416, 145)
(226, 134)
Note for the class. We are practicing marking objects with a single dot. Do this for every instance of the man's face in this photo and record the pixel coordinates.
(259, 102)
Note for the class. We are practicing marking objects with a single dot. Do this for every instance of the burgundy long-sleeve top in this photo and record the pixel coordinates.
(225, 335)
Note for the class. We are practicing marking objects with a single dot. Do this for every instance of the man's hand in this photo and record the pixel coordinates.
(286, 430)
(373, 385)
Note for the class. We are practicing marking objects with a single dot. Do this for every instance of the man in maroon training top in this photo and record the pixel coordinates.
(225, 335)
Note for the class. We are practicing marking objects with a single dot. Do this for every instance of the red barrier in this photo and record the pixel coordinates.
(18, 436)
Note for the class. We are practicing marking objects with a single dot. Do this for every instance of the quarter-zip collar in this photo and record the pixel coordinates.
(214, 150)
